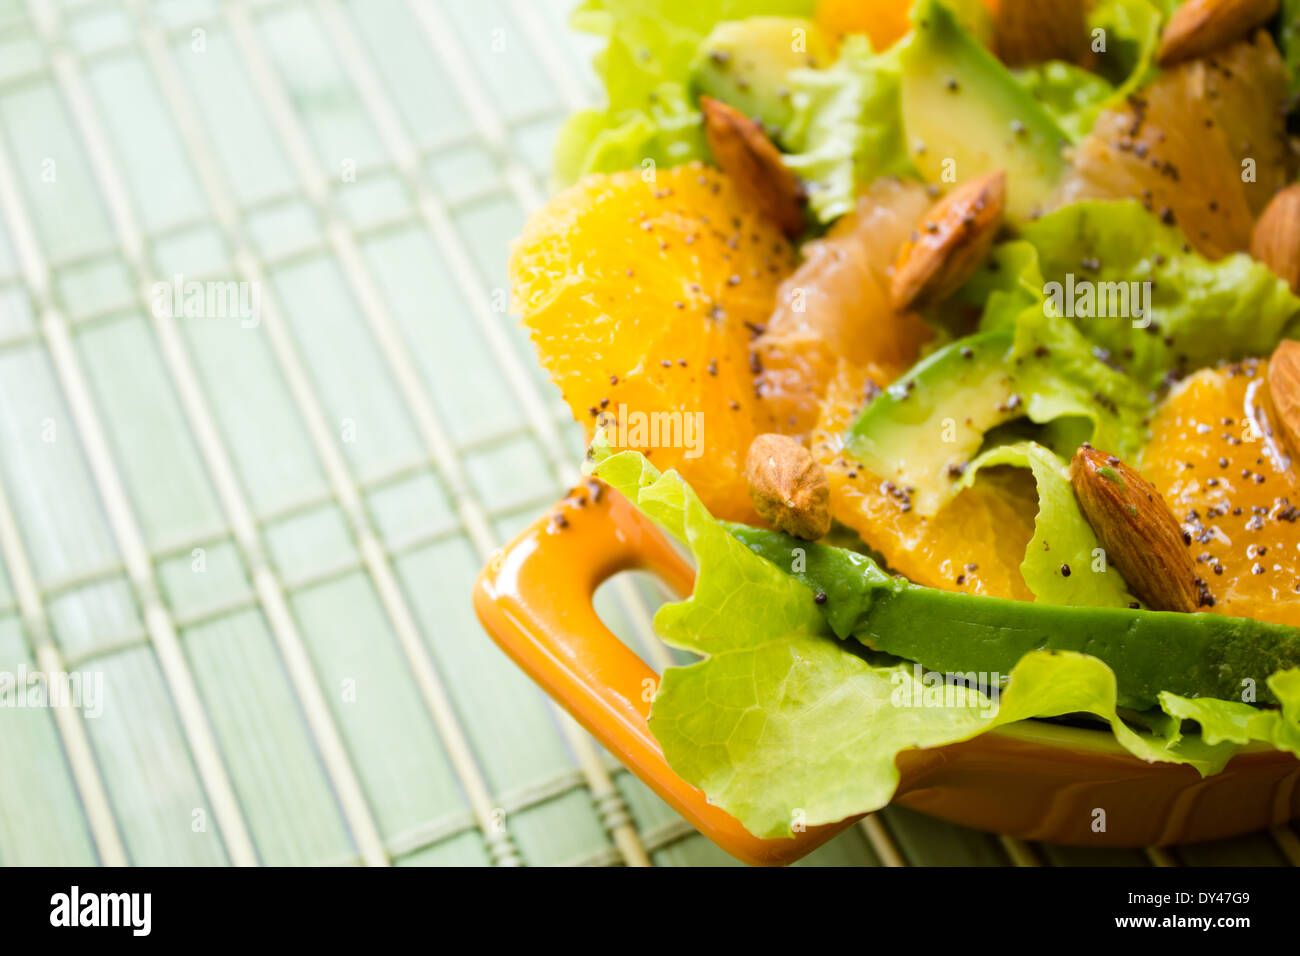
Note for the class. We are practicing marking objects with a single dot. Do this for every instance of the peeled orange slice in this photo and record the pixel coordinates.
(1225, 479)
(642, 292)
(883, 21)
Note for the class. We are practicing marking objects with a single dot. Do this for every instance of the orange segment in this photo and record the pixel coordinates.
(883, 21)
(1223, 480)
(642, 298)
(886, 21)
(975, 543)
(836, 306)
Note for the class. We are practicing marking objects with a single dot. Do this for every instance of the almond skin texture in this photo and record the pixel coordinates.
(1033, 31)
(1275, 240)
(1140, 534)
(743, 151)
(1284, 393)
(1199, 27)
(788, 486)
(949, 243)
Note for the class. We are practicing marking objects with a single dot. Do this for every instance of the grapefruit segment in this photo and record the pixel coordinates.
(1204, 146)
(836, 306)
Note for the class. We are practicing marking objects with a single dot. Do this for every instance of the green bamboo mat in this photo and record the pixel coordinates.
(259, 541)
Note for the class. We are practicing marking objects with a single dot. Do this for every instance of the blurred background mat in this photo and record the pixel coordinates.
(251, 518)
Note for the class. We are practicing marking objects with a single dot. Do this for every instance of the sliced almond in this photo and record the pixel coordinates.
(743, 151)
(949, 243)
(1140, 534)
(1199, 27)
(1034, 31)
(1284, 393)
(1275, 240)
(788, 486)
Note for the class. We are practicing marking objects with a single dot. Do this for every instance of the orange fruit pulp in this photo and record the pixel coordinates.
(642, 294)
(1215, 459)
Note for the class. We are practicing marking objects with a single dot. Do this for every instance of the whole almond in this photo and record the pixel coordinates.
(1140, 534)
(1284, 393)
(949, 243)
(1199, 27)
(743, 151)
(1275, 240)
(788, 486)
(1034, 31)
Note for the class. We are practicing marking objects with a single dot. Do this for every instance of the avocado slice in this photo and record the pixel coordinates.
(744, 64)
(965, 115)
(1193, 655)
(921, 431)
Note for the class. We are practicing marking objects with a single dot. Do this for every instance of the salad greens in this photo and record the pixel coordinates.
(847, 128)
(1072, 95)
(1061, 533)
(926, 427)
(1098, 259)
(784, 722)
(818, 667)
(1289, 42)
(645, 69)
(1123, 38)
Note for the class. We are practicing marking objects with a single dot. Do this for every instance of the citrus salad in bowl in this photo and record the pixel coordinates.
(953, 339)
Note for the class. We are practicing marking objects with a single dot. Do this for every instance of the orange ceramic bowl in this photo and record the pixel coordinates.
(1033, 780)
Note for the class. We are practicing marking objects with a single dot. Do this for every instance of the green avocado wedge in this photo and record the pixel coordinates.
(966, 115)
(746, 64)
(922, 431)
(1192, 655)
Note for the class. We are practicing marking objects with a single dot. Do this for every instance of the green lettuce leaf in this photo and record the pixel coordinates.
(1062, 536)
(847, 128)
(782, 723)
(1130, 31)
(1005, 285)
(1123, 38)
(1240, 723)
(1101, 256)
(1199, 311)
(645, 68)
(1289, 44)
(1074, 96)
(1077, 395)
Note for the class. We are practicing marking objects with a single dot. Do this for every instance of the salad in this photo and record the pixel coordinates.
(959, 342)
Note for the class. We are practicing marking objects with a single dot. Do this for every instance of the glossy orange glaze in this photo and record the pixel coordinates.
(1032, 780)
(1231, 485)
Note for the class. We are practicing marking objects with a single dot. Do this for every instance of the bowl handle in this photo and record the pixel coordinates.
(535, 598)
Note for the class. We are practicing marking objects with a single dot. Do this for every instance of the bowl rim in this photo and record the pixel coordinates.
(1083, 739)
